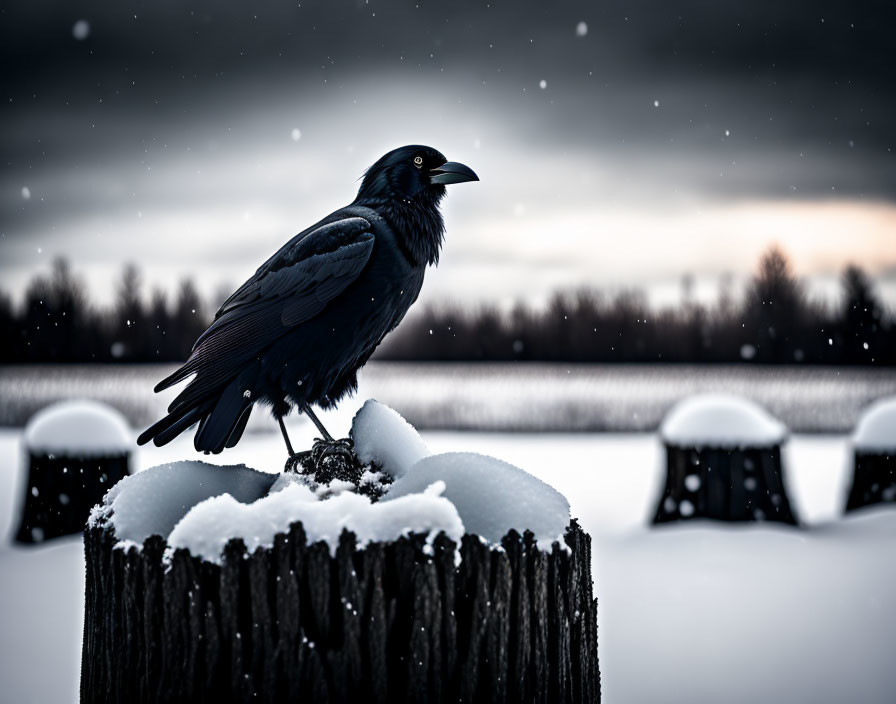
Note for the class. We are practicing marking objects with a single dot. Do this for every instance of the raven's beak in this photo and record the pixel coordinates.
(452, 172)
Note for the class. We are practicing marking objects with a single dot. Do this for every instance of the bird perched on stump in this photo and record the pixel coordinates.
(296, 333)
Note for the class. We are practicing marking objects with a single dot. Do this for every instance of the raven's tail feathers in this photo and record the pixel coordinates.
(225, 424)
(189, 368)
(237, 432)
(172, 425)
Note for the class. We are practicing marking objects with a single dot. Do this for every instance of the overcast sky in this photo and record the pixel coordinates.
(619, 144)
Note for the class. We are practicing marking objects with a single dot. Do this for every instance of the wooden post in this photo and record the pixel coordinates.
(60, 492)
(391, 622)
(77, 450)
(874, 458)
(873, 480)
(724, 483)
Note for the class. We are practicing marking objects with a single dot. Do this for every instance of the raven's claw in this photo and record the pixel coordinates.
(295, 463)
(335, 459)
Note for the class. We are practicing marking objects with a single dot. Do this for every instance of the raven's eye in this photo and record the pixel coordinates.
(418, 161)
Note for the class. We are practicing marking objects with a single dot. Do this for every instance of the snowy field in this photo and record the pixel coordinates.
(522, 397)
(696, 613)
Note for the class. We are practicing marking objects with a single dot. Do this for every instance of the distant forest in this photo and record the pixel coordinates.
(774, 322)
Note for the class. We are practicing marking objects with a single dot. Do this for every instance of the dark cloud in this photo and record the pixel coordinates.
(831, 38)
(187, 107)
(808, 75)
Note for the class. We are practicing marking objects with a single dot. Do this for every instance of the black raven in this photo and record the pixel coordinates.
(296, 333)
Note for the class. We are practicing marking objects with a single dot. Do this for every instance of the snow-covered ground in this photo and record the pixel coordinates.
(698, 613)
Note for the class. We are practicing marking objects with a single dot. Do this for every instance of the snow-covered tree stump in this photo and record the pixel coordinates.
(874, 457)
(391, 622)
(210, 583)
(76, 450)
(723, 461)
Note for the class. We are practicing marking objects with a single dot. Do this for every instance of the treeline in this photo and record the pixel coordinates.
(773, 322)
(57, 323)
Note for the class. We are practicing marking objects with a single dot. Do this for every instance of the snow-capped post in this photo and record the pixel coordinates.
(723, 461)
(76, 451)
(874, 457)
(210, 583)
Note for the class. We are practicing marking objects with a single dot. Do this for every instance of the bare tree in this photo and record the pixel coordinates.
(774, 308)
(861, 318)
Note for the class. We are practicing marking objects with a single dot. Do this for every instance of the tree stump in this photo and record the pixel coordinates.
(77, 450)
(874, 456)
(392, 622)
(723, 461)
(873, 481)
(727, 484)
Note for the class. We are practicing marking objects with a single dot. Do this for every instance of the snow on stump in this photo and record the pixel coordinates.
(217, 584)
(76, 451)
(723, 461)
(874, 457)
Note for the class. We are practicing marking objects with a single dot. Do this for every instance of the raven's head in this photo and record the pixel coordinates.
(405, 187)
(414, 173)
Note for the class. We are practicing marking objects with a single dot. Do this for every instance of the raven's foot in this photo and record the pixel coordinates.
(296, 462)
(335, 459)
(325, 461)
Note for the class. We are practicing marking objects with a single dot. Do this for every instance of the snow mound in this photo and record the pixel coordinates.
(492, 497)
(78, 429)
(210, 525)
(201, 507)
(876, 429)
(383, 437)
(721, 420)
(152, 502)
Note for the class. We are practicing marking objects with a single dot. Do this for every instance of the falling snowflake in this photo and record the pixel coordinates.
(296, 134)
(581, 29)
(81, 30)
(542, 84)
(26, 193)
(656, 103)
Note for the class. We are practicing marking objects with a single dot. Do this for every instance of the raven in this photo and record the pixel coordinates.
(296, 333)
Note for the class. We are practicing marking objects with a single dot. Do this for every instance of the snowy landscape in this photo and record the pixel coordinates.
(625, 264)
(700, 612)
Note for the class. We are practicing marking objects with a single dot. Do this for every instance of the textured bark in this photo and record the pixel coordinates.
(392, 622)
(729, 484)
(873, 481)
(61, 491)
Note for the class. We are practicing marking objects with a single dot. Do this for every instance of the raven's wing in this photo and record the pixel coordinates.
(291, 287)
(321, 240)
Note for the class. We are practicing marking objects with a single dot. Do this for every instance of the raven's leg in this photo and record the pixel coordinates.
(295, 459)
(326, 452)
(285, 436)
(320, 426)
